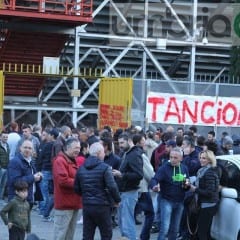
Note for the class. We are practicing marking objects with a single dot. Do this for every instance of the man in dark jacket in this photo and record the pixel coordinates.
(95, 182)
(65, 133)
(21, 168)
(45, 166)
(190, 158)
(171, 176)
(128, 178)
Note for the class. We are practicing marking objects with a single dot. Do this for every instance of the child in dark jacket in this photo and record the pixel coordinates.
(16, 214)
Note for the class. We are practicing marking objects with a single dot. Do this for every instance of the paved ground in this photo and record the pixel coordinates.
(45, 229)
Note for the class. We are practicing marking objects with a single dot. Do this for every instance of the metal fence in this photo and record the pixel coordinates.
(141, 87)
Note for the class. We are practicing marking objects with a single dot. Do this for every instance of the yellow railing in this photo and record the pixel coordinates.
(39, 70)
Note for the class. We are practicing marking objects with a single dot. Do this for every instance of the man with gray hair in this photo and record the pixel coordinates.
(66, 201)
(171, 177)
(95, 183)
(27, 135)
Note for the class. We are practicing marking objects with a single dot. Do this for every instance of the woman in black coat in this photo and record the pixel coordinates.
(207, 192)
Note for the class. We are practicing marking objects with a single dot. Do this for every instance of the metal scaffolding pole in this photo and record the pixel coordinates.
(121, 55)
(75, 79)
(178, 19)
(193, 49)
(144, 62)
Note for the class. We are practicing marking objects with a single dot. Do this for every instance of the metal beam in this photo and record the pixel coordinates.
(122, 17)
(94, 14)
(155, 50)
(75, 79)
(56, 87)
(153, 41)
(82, 116)
(19, 116)
(88, 85)
(106, 61)
(49, 118)
(160, 68)
(33, 107)
(62, 81)
(96, 83)
(214, 80)
(193, 49)
(178, 19)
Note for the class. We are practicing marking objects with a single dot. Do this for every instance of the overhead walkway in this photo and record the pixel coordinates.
(64, 11)
(20, 44)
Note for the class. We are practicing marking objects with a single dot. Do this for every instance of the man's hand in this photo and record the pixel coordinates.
(37, 176)
(192, 188)
(116, 173)
(156, 188)
(10, 225)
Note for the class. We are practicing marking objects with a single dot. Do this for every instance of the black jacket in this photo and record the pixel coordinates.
(131, 169)
(4, 156)
(45, 157)
(208, 187)
(95, 182)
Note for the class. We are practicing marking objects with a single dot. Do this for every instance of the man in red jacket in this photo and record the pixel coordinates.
(66, 201)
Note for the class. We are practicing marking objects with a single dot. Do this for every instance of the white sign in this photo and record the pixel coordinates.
(189, 109)
(51, 65)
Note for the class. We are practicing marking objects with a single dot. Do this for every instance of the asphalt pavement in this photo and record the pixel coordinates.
(44, 230)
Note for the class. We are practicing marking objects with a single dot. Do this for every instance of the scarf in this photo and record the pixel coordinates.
(201, 173)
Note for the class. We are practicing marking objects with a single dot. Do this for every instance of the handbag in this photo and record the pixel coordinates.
(193, 206)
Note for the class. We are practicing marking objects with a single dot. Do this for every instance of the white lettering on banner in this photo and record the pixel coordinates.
(189, 109)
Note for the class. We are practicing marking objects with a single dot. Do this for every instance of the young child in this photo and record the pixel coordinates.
(16, 214)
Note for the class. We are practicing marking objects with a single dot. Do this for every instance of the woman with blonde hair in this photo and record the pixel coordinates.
(207, 192)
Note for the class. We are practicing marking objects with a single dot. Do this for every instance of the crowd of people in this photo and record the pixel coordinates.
(112, 177)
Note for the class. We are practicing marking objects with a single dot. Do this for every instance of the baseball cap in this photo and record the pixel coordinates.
(171, 143)
(54, 132)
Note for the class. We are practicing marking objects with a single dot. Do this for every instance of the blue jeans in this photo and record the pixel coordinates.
(46, 184)
(49, 207)
(157, 217)
(145, 204)
(171, 213)
(3, 181)
(126, 219)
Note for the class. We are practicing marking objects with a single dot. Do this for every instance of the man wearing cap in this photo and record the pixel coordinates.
(170, 144)
(226, 147)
